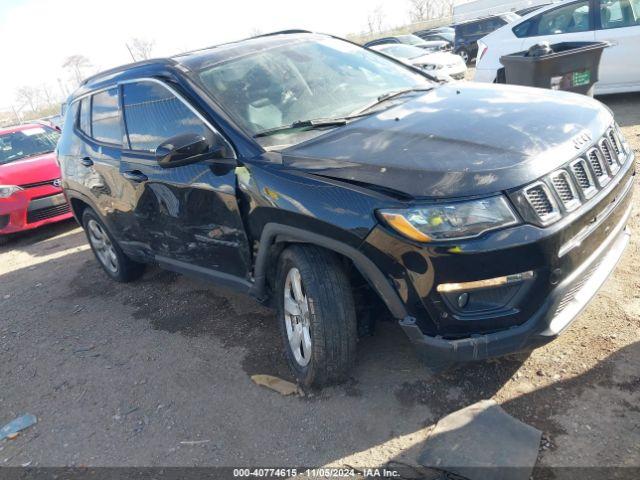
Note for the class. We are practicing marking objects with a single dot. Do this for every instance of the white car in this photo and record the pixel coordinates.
(613, 21)
(440, 63)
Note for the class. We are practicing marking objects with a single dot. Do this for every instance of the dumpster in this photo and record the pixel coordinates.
(570, 66)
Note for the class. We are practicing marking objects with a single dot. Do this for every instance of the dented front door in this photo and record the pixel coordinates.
(189, 214)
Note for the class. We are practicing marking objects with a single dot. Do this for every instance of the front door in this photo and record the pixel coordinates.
(189, 213)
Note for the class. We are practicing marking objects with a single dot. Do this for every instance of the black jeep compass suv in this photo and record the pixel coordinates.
(334, 181)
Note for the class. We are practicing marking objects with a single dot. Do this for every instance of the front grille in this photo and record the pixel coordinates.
(596, 163)
(41, 184)
(47, 212)
(577, 182)
(562, 184)
(615, 141)
(540, 200)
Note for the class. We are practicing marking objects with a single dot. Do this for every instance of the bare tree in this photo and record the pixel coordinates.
(418, 10)
(140, 48)
(375, 20)
(29, 96)
(422, 10)
(75, 64)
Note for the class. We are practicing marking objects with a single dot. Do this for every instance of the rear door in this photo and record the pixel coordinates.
(618, 22)
(190, 213)
(569, 22)
(97, 167)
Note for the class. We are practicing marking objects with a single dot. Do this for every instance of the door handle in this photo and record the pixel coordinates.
(86, 161)
(135, 176)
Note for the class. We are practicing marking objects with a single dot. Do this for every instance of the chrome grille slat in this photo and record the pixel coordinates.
(542, 202)
(564, 188)
(583, 177)
(609, 156)
(597, 164)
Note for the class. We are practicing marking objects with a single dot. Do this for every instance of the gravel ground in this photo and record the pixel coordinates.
(157, 372)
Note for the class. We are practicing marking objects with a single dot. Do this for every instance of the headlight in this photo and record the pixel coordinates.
(451, 221)
(8, 190)
(430, 66)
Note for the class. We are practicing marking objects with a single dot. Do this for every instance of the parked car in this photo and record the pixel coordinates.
(336, 183)
(468, 33)
(446, 34)
(410, 40)
(30, 192)
(440, 63)
(613, 21)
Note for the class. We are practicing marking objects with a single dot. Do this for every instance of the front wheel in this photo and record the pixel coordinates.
(316, 314)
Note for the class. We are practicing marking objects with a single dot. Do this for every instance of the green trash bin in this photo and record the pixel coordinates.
(570, 66)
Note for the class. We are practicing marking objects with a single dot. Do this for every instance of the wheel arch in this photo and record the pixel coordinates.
(275, 237)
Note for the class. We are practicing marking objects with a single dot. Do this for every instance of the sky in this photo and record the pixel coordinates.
(37, 35)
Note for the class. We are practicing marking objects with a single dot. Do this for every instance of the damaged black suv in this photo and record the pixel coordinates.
(336, 183)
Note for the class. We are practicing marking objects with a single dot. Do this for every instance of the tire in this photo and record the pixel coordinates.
(329, 321)
(4, 239)
(109, 255)
(464, 55)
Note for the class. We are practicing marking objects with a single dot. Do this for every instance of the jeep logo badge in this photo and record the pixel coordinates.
(581, 140)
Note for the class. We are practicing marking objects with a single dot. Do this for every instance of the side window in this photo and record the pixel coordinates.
(85, 115)
(566, 19)
(522, 30)
(105, 117)
(153, 114)
(619, 13)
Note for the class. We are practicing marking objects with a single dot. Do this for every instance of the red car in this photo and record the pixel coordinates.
(30, 193)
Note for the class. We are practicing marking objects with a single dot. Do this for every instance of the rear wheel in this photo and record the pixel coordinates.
(108, 253)
(316, 314)
(4, 239)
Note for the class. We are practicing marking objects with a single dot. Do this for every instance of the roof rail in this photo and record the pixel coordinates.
(283, 32)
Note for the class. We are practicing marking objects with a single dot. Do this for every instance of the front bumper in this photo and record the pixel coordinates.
(22, 211)
(568, 262)
(553, 317)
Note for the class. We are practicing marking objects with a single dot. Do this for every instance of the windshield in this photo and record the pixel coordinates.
(406, 52)
(310, 79)
(27, 143)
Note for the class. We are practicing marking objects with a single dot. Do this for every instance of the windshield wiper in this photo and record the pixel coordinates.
(307, 124)
(388, 96)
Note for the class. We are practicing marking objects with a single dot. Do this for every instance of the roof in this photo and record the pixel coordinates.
(196, 59)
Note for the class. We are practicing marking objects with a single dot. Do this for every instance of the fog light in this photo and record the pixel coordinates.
(490, 282)
(463, 299)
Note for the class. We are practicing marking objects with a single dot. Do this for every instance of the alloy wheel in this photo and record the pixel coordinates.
(103, 246)
(297, 318)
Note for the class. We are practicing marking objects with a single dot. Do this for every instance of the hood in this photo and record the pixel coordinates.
(432, 44)
(30, 170)
(459, 139)
(438, 58)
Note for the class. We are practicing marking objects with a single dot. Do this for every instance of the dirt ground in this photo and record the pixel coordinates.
(157, 372)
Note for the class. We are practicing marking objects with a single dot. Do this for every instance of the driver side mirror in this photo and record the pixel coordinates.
(188, 148)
